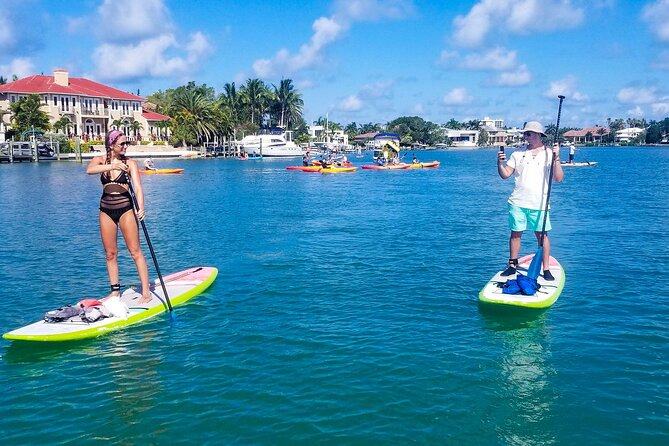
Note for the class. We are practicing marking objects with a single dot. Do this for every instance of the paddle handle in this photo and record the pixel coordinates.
(148, 243)
(550, 175)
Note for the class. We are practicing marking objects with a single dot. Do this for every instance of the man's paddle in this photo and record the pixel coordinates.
(535, 267)
(148, 242)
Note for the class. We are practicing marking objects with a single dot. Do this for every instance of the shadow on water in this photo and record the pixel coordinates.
(24, 352)
(524, 384)
(505, 318)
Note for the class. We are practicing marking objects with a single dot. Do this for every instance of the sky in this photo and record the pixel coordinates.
(366, 61)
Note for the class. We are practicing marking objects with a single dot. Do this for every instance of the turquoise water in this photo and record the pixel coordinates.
(345, 310)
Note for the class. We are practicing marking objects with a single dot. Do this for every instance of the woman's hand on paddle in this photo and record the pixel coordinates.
(119, 165)
(140, 214)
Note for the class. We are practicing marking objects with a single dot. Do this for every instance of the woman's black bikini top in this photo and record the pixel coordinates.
(106, 179)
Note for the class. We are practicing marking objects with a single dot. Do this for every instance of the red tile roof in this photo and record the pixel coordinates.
(77, 86)
(594, 131)
(153, 116)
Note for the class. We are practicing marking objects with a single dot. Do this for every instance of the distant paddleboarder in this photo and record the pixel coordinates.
(530, 167)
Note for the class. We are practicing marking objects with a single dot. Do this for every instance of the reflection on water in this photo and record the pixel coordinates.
(524, 387)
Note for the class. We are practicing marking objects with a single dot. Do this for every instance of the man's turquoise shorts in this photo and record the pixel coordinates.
(521, 219)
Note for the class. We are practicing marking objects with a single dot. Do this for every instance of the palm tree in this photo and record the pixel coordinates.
(232, 101)
(194, 113)
(288, 102)
(26, 114)
(135, 126)
(255, 95)
(62, 124)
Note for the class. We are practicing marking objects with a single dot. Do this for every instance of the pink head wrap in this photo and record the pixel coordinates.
(112, 137)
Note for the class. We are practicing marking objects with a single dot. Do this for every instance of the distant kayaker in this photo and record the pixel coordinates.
(305, 160)
(531, 167)
(148, 164)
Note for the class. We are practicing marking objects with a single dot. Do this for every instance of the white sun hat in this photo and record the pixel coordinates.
(534, 126)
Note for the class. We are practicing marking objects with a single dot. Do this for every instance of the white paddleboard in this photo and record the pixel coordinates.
(545, 296)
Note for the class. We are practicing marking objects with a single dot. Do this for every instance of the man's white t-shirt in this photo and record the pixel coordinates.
(531, 176)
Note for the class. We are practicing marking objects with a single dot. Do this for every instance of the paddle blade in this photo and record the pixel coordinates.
(535, 267)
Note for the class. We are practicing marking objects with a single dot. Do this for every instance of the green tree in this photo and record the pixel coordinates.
(62, 124)
(26, 114)
(483, 138)
(3, 80)
(255, 96)
(194, 115)
(454, 125)
(288, 103)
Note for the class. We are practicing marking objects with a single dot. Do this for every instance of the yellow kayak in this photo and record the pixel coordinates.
(336, 169)
(160, 171)
(422, 165)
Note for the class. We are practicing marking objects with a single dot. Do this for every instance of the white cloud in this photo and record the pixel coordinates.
(636, 95)
(351, 103)
(7, 34)
(457, 96)
(566, 87)
(635, 112)
(138, 39)
(497, 59)
(519, 17)
(377, 90)
(21, 67)
(661, 109)
(129, 20)
(374, 10)
(662, 61)
(147, 57)
(657, 16)
(516, 78)
(327, 30)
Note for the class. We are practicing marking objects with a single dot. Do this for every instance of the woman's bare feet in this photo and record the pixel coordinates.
(146, 298)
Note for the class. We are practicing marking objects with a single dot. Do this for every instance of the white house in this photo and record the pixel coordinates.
(626, 135)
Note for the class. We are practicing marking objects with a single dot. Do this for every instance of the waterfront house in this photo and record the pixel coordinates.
(627, 135)
(592, 135)
(91, 107)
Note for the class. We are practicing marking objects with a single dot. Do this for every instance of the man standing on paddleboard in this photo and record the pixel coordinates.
(531, 167)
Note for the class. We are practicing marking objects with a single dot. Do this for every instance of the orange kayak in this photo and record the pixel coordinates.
(160, 171)
(388, 167)
(305, 168)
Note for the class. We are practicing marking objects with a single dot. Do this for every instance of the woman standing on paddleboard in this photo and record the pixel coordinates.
(531, 167)
(117, 211)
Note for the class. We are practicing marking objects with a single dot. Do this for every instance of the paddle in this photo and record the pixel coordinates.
(148, 242)
(535, 267)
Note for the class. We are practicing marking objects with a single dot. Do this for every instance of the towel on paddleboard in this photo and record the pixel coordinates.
(521, 285)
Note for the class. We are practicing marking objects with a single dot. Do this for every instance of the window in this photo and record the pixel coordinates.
(12, 98)
(74, 102)
(55, 100)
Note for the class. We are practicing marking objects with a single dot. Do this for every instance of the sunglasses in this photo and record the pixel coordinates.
(124, 143)
(527, 133)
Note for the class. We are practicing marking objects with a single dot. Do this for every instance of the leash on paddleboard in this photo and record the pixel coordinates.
(148, 242)
(534, 268)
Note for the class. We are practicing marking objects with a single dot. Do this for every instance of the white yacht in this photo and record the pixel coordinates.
(272, 143)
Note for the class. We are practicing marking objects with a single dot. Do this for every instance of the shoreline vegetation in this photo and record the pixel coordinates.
(199, 116)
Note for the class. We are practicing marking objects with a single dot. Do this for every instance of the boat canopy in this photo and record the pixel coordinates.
(387, 136)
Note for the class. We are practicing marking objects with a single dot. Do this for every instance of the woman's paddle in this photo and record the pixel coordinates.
(148, 242)
(535, 267)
